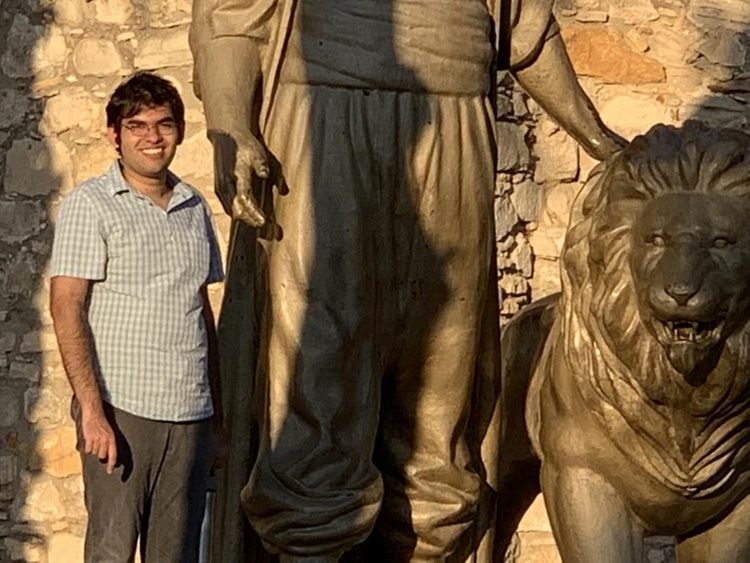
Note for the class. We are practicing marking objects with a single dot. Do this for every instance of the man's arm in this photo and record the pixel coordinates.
(220, 440)
(552, 82)
(68, 297)
(227, 74)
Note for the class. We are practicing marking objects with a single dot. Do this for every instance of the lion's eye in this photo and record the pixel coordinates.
(656, 240)
(721, 242)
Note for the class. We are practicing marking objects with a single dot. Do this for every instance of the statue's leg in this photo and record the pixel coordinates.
(314, 490)
(590, 520)
(443, 254)
(728, 541)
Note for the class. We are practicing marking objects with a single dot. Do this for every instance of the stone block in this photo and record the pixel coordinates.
(194, 157)
(10, 407)
(65, 548)
(41, 503)
(55, 452)
(35, 168)
(70, 13)
(97, 57)
(592, 50)
(25, 370)
(8, 341)
(512, 152)
(505, 216)
(528, 200)
(116, 12)
(20, 219)
(164, 48)
(44, 407)
(8, 469)
(14, 105)
(23, 36)
(36, 341)
(71, 107)
(93, 160)
(558, 157)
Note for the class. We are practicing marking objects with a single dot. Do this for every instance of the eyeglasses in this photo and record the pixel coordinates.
(141, 128)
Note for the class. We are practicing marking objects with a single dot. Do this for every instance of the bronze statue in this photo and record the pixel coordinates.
(638, 403)
(359, 329)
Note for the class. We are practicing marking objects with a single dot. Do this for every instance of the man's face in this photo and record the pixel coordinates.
(147, 142)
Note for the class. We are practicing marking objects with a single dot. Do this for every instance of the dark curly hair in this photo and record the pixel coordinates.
(141, 91)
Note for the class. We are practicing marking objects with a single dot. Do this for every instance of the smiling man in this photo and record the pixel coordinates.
(134, 250)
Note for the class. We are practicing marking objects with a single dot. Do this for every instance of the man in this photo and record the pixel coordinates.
(376, 280)
(134, 250)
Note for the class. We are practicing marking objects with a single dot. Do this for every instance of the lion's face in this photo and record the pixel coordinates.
(690, 266)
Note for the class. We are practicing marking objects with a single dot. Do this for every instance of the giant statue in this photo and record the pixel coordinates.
(638, 402)
(355, 152)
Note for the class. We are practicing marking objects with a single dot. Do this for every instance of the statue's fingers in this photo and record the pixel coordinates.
(246, 209)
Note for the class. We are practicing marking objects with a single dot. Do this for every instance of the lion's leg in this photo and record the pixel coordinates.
(728, 541)
(590, 521)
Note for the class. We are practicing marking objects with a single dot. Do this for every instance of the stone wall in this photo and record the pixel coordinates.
(642, 61)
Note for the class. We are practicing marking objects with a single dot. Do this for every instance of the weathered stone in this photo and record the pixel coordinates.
(20, 219)
(720, 14)
(55, 452)
(39, 341)
(522, 256)
(8, 469)
(558, 155)
(51, 50)
(21, 276)
(723, 49)
(10, 407)
(70, 108)
(513, 284)
(69, 12)
(547, 242)
(24, 370)
(96, 57)
(7, 341)
(114, 11)
(94, 159)
(631, 115)
(14, 106)
(41, 503)
(512, 150)
(592, 51)
(633, 12)
(29, 552)
(43, 407)
(194, 157)
(65, 548)
(505, 216)
(528, 200)
(38, 167)
(559, 200)
(592, 16)
(23, 36)
(164, 48)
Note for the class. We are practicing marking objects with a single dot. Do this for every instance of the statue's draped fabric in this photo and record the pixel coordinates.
(368, 329)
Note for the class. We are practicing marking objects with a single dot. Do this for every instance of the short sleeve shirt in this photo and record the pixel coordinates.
(148, 266)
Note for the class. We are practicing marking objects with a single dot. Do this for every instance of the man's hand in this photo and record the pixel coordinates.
(237, 159)
(99, 438)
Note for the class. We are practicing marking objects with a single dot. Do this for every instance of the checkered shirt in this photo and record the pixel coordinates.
(148, 266)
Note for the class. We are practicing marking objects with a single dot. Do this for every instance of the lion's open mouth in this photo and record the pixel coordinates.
(699, 333)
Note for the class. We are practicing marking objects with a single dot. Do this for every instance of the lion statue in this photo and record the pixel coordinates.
(637, 376)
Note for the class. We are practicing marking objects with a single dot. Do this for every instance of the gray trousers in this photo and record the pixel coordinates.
(157, 491)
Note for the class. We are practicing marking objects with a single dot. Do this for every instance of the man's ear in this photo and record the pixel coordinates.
(114, 138)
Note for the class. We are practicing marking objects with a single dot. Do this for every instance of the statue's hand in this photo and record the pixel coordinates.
(237, 158)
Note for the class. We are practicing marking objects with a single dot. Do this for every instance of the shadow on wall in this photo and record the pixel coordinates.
(31, 415)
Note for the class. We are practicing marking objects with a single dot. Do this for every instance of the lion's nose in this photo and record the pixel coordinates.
(681, 292)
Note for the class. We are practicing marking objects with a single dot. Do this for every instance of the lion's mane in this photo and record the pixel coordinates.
(623, 372)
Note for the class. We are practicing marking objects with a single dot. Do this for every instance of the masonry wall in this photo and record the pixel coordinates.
(642, 61)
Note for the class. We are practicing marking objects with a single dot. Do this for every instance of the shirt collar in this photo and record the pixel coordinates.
(116, 184)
